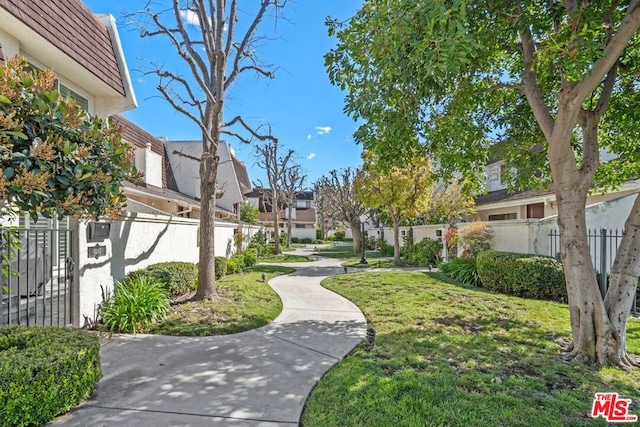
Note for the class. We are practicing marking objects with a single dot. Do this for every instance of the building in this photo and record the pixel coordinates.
(303, 212)
(232, 181)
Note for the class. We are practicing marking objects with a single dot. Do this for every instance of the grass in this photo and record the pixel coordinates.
(453, 355)
(285, 258)
(246, 302)
(344, 251)
(378, 263)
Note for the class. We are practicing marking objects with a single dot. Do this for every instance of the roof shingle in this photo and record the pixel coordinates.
(71, 27)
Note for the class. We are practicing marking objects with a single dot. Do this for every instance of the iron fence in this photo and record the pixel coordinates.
(603, 247)
(37, 277)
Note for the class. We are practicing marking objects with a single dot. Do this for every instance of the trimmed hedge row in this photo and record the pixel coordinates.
(44, 372)
(524, 275)
(177, 277)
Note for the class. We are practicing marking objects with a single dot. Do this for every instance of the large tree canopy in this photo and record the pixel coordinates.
(56, 159)
(555, 81)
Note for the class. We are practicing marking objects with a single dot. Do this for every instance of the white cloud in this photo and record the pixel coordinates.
(190, 17)
(310, 156)
(309, 137)
(323, 129)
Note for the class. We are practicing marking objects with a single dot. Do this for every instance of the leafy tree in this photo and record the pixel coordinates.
(401, 192)
(249, 213)
(56, 159)
(556, 82)
(203, 35)
(339, 204)
(449, 204)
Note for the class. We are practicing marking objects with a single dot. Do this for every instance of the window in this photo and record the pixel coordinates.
(535, 210)
(66, 92)
(502, 217)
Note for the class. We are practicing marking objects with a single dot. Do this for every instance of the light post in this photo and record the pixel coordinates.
(363, 260)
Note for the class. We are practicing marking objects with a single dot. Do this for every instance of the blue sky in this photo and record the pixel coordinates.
(303, 108)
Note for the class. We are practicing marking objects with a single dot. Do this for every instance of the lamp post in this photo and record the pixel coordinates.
(363, 260)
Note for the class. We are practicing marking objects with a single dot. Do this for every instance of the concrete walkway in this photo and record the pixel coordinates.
(255, 378)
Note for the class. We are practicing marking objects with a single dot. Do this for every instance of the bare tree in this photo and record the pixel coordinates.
(292, 183)
(275, 164)
(203, 34)
(339, 202)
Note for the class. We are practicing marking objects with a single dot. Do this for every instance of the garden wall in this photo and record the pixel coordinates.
(136, 241)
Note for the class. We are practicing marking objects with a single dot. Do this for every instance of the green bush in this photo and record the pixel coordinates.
(138, 303)
(220, 267)
(232, 266)
(385, 248)
(250, 258)
(339, 235)
(178, 278)
(306, 240)
(464, 270)
(295, 240)
(426, 253)
(371, 243)
(259, 243)
(319, 234)
(44, 372)
(529, 276)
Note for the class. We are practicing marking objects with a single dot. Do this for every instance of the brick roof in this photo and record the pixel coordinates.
(139, 137)
(241, 172)
(71, 27)
(504, 196)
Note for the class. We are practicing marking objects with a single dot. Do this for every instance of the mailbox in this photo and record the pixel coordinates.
(98, 231)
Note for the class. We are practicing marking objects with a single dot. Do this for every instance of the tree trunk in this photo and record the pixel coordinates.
(276, 224)
(289, 224)
(396, 239)
(357, 236)
(206, 259)
(622, 286)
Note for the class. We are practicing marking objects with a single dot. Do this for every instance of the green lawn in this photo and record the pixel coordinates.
(275, 259)
(246, 302)
(451, 355)
(376, 263)
(344, 252)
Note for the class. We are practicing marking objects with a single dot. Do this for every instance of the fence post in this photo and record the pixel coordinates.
(603, 262)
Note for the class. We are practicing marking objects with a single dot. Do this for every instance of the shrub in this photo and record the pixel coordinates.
(464, 270)
(295, 240)
(44, 372)
(475, 238)
(250, 258)
(319, 234)
(339, 235)
(371, 243)
(529, 276)
(259, 243)
(178, 278)
(238, 258)
(426, 253)
(220, 267)
(306, 240)
(232, 266)
(138, 304)
(385, 248)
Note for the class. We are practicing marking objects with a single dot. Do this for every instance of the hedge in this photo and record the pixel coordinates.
(44, 372)
(177, 277)
(220, 267)
(524, 275)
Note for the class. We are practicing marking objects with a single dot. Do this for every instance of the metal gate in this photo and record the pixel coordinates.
(37, 277)
(603, 246)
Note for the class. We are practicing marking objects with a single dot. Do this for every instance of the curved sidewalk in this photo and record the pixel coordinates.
(255, 378)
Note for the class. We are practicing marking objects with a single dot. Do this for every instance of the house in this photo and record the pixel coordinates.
(233, 180)
(500, 205)
(157, 190)
(303, 212)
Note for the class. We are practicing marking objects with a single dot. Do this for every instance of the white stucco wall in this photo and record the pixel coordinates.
(150, 165)
(136, 241)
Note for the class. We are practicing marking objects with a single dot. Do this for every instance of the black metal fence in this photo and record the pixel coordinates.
(603, 246)
(37, 277)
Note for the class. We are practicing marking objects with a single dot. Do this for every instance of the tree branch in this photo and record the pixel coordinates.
(611, 53)
(253, 132)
